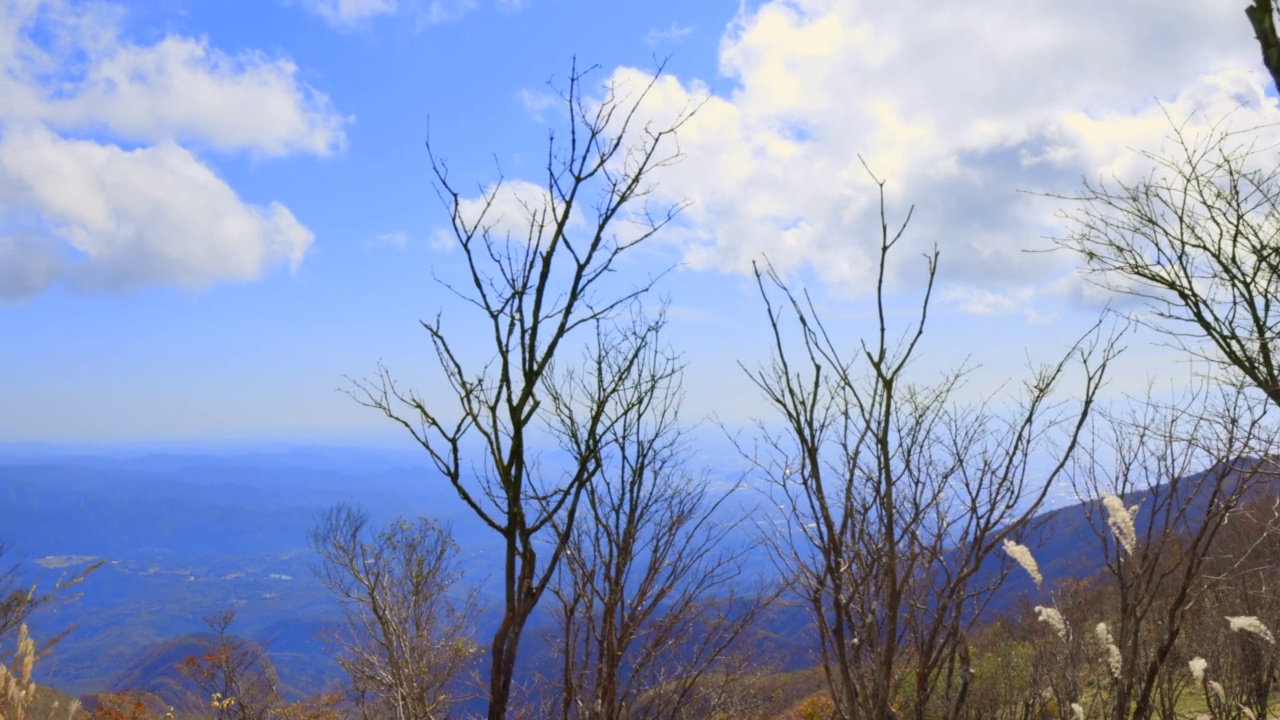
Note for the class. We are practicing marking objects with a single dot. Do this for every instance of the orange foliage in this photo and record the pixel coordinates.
(131, 705)
(816, 707)
(320, 707)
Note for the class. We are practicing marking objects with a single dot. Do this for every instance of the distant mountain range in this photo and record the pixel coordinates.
(188, 535)
(185, 536)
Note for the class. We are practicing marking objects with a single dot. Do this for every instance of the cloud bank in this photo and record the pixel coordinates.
(101, 183)
(966, 110)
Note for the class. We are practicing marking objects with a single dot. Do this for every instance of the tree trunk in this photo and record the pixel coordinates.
(1262, 17)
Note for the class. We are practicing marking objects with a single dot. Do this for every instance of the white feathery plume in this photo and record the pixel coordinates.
(1113, 653)
(1120, 520)
(1198, 665)
(1216, 687)
(1249, 623)
(1054, 619)
(1022, 555)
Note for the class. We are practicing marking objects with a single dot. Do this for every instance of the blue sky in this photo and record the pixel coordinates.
(213, 211)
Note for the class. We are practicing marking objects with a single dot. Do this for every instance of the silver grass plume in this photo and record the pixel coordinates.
(1022, 555)
(1251, 624)
(1114, 660)
(1054, 619)
(1198, 666)
(1120, 520)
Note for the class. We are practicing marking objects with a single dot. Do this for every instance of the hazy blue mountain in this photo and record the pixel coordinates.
(187, 534)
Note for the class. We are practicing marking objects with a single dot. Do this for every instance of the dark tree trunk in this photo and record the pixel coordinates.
(1262, 17)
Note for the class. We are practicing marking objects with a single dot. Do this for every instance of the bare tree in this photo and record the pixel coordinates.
(649, 594)
(1172, 475)
(895, 496)
(1195, 239)
(535, 295)
(407, 635)
(1243, 562)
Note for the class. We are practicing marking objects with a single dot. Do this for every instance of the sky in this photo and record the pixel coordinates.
(214, 212)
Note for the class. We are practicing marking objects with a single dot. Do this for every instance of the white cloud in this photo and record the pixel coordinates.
(976, 301)
(510, 211)
(347, 13)
(673, 34)
(958, 107)
(179, 88)
(536, 104)
(440, 11)
(144, 216)
(100, 182)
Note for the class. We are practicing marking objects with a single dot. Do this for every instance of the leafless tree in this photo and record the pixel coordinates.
(1195, 239)
(1173, 475)
(896, 496)
(1242, 566)
(538, 295)
(650, 594)
(407, 635)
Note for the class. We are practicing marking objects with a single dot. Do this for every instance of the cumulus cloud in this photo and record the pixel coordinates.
(101, 183)
(151, 215)
(180, 88)
(508, 213)
(508, 210)
(959, 108)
